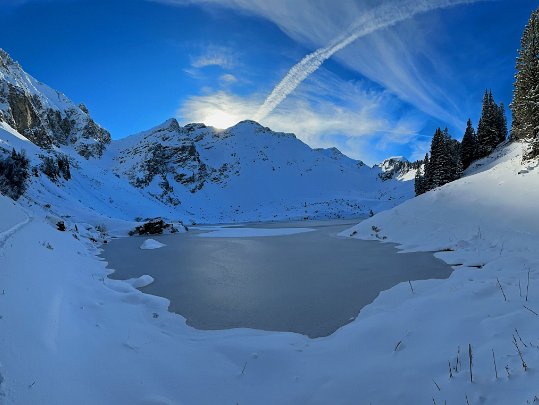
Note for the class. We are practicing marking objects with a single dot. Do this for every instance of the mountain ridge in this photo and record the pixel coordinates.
(194, 172)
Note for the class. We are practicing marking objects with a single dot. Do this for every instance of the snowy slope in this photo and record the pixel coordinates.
(69, 335)
(249, 172)
(93, 194)
(486, 225)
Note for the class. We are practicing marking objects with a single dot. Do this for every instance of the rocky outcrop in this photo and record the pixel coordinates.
(44, 116)
(397, 167)
(166, 157)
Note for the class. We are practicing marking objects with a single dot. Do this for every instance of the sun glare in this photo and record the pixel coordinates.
(220, 119)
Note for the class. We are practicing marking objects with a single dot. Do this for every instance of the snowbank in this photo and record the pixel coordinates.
(487, 226)
(70, 335)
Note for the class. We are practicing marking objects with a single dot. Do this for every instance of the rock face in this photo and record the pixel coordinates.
(398, 168)
(45, 116)
(167, 158)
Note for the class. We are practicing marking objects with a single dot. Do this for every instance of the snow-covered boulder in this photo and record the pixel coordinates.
(150, 244)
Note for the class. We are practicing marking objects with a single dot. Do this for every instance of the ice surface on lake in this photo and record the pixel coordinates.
(304, 279)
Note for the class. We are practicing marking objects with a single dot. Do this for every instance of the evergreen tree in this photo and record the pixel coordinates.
(427, 180)
(468, 150)
(444, 165)
(486, 130)
(440, 159)
(420, 183)
(492, 129)
(525, 105)
(501, 124)
(455, 169)
(13, 174)
(419, 186)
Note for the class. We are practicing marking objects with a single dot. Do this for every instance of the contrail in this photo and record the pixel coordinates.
(382, 16)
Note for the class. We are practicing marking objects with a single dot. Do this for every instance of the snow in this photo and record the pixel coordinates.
(250, 173)
(226, 232)
(246, 173)
(150, 244)
(486, 225)
(141, 281)
(70, 335)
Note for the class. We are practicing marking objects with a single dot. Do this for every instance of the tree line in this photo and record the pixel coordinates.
(448, 158)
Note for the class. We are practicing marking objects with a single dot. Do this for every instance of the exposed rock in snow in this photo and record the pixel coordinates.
(45, 116)
(398, 168)
(336, 154)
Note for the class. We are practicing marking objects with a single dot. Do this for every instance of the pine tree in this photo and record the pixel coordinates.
(444, 165)
(486, 131)
(492, 129)
(441, 160)
(13, 174)
(525, 105)
(501, 121)
(427, 182)
(420, 182)
(468, 150)
(456, 169)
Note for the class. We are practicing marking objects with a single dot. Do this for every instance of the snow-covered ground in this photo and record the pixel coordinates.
(70, 335)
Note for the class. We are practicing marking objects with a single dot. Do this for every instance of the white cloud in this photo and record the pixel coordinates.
(214, 55)
(360, 122)
(405, 59)
(227, 78)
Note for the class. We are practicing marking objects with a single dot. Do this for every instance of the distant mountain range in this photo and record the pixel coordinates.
(192, 173)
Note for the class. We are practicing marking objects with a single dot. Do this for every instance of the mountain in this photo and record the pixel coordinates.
(194, 172)
(248, 172)
(398, 168)
(45, 116)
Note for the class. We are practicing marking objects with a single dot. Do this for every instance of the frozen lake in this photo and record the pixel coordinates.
(303, 279)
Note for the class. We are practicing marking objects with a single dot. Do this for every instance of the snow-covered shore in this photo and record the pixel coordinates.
(70, 335)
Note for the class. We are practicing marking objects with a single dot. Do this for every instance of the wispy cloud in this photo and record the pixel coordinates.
(363, 124)
(215, 55)
(380, 17)
(404, 59)
(227, 78)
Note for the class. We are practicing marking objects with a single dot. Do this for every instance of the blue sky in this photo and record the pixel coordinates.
(135, 63)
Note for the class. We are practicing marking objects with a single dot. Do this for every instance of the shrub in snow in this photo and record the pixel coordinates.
(102, 229)
(56, 167)
(13, 174)
(153, 227)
